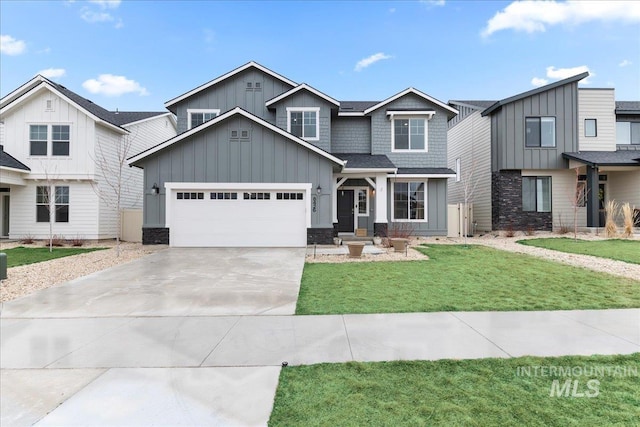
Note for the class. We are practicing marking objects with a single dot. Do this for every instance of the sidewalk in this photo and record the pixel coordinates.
(224, 370)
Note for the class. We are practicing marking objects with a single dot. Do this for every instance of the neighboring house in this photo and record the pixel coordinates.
(538, 157)
(59, 144)
(260, 160)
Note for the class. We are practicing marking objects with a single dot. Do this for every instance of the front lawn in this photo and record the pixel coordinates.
(459, 278)
(486, 392)
(621, 250)
(23, 256)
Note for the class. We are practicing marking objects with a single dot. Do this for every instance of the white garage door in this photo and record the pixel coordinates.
(225, 217)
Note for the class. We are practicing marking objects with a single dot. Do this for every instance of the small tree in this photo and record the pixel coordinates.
(578, 200)
(111, 165)
(469, 183)
(47, 198)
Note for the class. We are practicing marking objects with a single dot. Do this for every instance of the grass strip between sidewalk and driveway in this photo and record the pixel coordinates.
(484, 392)
(460, 278)
(23, 256)
(618, 249)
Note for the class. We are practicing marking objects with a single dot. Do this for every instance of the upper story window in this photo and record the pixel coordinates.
(628, 133)
(590, 127)
(304, 122)
(409, 134)
(540, 132)
(39, 140)
(196, 117)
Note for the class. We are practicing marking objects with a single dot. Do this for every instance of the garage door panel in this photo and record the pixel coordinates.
(235, 223)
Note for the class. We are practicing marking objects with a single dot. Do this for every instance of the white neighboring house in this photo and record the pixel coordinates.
(50, 135)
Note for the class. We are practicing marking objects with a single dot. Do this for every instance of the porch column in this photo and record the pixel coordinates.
(381, 198)
(593, 189)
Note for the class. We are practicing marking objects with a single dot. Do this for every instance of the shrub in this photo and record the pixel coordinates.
(56, 240)
(77, 241)
(629, 215)
(530, 231)
(509, 232)
(27, 239)
(611, 209)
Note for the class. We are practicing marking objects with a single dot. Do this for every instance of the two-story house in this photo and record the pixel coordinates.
(260, 160)
(60, 155)
(536, 159)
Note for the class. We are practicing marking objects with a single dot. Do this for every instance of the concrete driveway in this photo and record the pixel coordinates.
(177, 282)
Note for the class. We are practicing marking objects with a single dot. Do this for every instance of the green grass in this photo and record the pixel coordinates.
(23, 256)
(459, 278)
(486, 392)
(621, 250)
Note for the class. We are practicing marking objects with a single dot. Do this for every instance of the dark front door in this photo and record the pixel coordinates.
(345, 211)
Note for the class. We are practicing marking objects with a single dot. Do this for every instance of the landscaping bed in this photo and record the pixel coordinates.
(621, 250)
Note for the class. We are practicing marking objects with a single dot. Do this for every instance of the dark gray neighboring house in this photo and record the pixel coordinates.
(260, 160)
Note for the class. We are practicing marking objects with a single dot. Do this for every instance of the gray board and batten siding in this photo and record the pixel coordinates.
(436, 224)
(508, 149)
(233, 92)
(211, 156)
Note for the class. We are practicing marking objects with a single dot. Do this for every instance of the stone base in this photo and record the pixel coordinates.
(506, 205)
(155, 236)
(321, 236)
(380, 229)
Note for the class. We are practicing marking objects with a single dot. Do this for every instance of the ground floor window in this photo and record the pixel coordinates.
(409, 200)
(60, 203)
(536, 193)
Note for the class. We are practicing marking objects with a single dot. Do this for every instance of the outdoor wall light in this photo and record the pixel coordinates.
(318, 189)
(155, 190)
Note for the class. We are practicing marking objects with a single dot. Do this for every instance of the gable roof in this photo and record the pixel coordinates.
(298, 88)
(347, 107)
(251, 64)
(476, 104)
(441, 104)
(10, 162)
(236, 111)
(532, 92)
(606, 158)
(627, 107)
(122, 118)
(366, 161)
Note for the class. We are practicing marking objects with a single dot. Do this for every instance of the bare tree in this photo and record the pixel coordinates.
(469, 183)
(112, 168)
(578, 199)
(46, 196)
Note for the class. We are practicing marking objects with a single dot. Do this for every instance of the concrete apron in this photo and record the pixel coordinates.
(223, 370)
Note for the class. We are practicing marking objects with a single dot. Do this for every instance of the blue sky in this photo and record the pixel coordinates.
(136, 55)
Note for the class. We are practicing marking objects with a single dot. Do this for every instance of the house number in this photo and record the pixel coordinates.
(314, 203)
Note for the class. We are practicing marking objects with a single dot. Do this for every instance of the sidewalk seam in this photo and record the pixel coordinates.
(219, 342)
(598, 329)
(482, 335)
(344, 324)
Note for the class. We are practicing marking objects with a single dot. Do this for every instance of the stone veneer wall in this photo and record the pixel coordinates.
(506, 205)
(155, 236)
(321, 236)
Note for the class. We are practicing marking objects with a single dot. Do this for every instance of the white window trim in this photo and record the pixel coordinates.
(393, 200)
(49, 154)
(305, 109)
(426, 133)
(366, 191)
(200, 110)
(458, 171)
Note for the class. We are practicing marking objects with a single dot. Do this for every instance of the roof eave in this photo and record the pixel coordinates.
(302, 86)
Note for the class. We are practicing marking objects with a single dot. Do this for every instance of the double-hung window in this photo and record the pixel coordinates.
(196, 117)
(39, 140)
(60, 140)
(540, 132)
(304, 122)
(409, 134)
(536, 193)
(59, 204)
(409, 201)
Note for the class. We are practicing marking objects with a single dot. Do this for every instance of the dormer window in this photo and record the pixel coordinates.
(199, 116)
(304, 123)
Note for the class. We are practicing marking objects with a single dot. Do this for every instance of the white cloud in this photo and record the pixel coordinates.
(209, 36)
(45, 50)
(392, 10)
(562, 73)
(533, 16)
(11, 46)
(92, 16)
(433, 2)
(537, 81)
(107, 4)
(110, 85)
(53, 73)
(365, 62)
(119, 24)
(625, 63)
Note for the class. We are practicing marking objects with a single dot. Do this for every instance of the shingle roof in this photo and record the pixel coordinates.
(366, 161)
(425, 171)
(606, 158)
(627, 107)
(124, 117)
(532, 92)
(356, 106)
(476, 103)
(8, 161)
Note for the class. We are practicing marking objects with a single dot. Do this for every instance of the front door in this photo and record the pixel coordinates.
(602, 197)
(345, 211)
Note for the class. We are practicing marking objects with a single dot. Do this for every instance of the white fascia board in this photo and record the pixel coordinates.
(226, 76)
(60, 177)
(150, 118)
(21, 90)
(351, 114)
(225, 116)
(422, 175)
(415, 92)
(7, 168)
(369, 170)
(46, 85)
(429, 113)
(299, 88)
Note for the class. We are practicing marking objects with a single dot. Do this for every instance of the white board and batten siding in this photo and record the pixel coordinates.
(470, 141)
(238, 222)
(598, 104)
